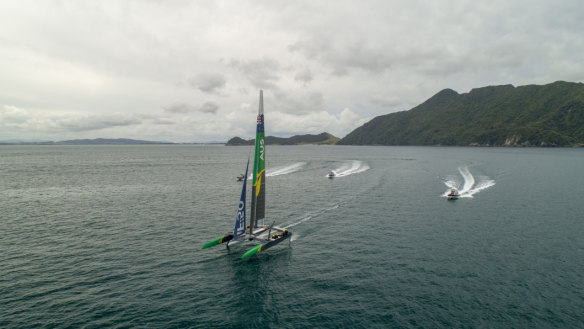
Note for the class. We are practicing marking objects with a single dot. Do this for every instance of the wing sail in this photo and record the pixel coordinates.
(239, 228)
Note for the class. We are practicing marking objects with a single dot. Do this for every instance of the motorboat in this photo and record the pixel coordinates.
(453, 194)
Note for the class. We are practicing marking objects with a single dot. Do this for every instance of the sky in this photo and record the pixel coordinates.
(191, 71)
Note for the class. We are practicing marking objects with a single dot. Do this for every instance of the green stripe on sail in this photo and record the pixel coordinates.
(258, 198)
(259, 163)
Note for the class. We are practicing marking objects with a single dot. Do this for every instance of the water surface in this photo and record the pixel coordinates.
(110, 236)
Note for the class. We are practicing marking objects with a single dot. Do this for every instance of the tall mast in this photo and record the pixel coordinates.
(261, 109)
(258, 195)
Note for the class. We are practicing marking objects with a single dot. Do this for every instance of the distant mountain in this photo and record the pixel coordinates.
(20, 141)
(321, 139)
(236, 141)
(107, 141)
(97, 141)
(548, 115)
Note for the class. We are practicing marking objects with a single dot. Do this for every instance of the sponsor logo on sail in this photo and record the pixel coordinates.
(240, 219)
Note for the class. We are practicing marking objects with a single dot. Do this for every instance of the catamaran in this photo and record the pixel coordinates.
(257, 230)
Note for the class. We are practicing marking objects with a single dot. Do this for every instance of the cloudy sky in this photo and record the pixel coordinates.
(190, 71)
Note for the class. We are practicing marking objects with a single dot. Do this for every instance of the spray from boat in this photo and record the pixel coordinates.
(310, 215)
(349, 168)
(283, 170)
(468, 186)
(286, 169)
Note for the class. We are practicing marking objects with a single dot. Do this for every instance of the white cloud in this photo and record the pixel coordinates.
(13, 116)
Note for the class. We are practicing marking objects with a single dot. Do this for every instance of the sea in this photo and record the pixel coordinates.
(111, 237)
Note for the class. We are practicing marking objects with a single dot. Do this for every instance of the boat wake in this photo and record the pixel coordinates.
(286, 169)
(283, 170)
(350, 168)
(311, 215)
(468, 186)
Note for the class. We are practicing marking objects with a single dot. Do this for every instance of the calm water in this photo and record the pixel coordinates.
(111, 236)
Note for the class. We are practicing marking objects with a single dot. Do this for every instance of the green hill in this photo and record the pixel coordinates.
(321, 139)
(236, 141)
(548, 115)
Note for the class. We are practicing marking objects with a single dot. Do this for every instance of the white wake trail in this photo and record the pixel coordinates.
(469, 180)
(470, 186)
(285, 170)
(288, 169)
(350, 168)
(311, 215)
(304, 219)
(483, 185)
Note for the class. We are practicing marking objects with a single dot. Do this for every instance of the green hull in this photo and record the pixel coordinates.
(252, 252)
(217, 241)
(259, 248)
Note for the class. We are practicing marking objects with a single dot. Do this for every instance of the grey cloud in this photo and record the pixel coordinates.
(376, 58)
(180, 108)
(159, 120)
(208, 82)
(209, 107)
(262, 73)
(343, 56)
(430, 41)
(299, 102)
(304, 76)
(14, 117)
(96, 122)
(388, 103)
(183, 108)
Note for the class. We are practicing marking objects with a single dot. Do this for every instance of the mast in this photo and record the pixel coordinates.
(258, 191)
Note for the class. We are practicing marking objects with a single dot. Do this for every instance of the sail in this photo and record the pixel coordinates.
(258, 197)
(240, 217)
(258, 202)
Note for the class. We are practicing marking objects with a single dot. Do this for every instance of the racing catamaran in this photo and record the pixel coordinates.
(256, 230)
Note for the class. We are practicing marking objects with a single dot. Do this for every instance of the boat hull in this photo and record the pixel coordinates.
(219, 240)
(266, 245)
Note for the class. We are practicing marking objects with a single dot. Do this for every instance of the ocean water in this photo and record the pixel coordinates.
(111, 237)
